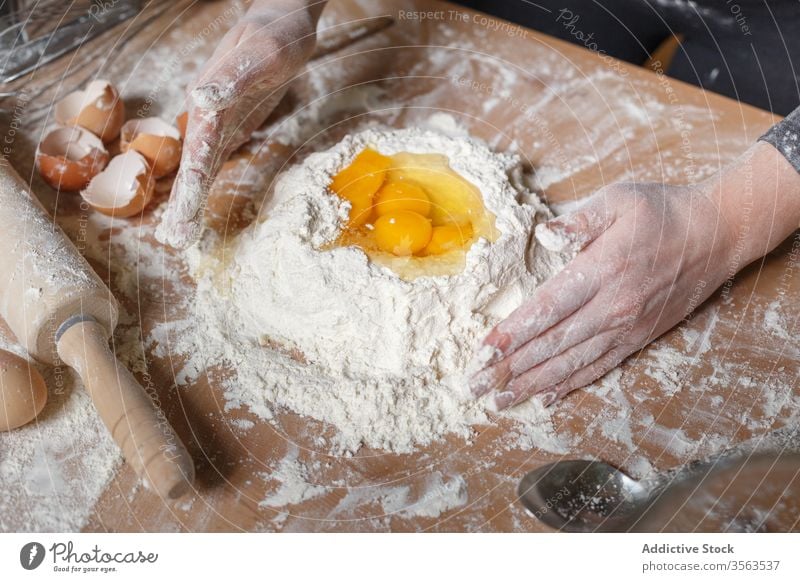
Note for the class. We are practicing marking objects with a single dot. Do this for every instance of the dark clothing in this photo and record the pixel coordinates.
(785, 137)
(746, 49)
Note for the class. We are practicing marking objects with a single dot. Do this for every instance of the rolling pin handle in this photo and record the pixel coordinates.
(144, 434)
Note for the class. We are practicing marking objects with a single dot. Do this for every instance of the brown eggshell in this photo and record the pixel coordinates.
(23, 392)
(98, 108)
(124, 188)
(181, 121)
(68, 157)
(158, 141)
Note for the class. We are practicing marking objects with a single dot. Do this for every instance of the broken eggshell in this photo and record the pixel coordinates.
(23, 392)
(158, 141)
(68, 157)
(124, 188)
(181, 121)
(98, 108)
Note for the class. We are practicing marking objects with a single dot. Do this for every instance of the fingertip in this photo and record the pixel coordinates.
(547, 397)
(482, 382)
(496, 345)
(179, 236)
(484, 356)
(214, 95)
(553, 236)
(500, 401)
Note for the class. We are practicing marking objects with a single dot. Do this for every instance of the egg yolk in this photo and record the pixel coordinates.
(394, 196)
(448, 238)
(359, 182)
(402, 233)
(411, 212)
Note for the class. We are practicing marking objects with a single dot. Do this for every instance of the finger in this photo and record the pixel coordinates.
(582, 325)
(200, 161)
(212, 133)
(571, 331)
(576, 230)
(586, 375)
(554, 301)
(254, 112)
(557, 369)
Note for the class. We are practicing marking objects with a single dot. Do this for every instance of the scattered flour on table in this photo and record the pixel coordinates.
(775, 322)
(292, 479)
(440, 494)
(437, 494)
(54, 469)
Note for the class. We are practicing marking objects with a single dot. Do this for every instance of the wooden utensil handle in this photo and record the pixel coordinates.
(144, 434)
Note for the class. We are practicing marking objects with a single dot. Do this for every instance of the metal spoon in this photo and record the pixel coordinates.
(734, 491)
(577, 496)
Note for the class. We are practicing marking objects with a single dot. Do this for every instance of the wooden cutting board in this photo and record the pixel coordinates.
(579, 121)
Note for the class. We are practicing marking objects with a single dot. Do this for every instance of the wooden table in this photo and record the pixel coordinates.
(579, 121)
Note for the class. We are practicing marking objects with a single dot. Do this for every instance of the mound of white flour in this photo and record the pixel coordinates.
(329, 334)
(356, 318)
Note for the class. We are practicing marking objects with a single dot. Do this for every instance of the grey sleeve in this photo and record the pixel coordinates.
(784, 136)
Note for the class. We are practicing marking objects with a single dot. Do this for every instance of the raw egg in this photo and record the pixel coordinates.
(98, 108)
(400, 195)
(359, 182)
(68, 157)
(23, 392)
(448, 238)
(412, 212)
(158, 141)
(124, 188)
(402, 233)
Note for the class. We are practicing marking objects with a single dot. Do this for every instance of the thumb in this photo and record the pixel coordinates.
(576, 230)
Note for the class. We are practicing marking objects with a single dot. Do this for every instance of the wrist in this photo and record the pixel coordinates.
(758, 197)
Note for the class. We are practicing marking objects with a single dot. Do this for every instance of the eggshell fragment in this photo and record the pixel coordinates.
(124, 188)
(23, 392)
(181, 121)
(158, 141)
(98, 108)
(68, 157)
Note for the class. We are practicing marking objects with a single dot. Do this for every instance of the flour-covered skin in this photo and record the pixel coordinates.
(651, 254)
(235, 92)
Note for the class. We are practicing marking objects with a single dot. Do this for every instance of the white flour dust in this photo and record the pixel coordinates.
(53, 469)
(437, 494)
(292, 479)
(331, 335)
(69, 450)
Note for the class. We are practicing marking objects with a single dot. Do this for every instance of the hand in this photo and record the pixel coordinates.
(237, 89)
(650, 254)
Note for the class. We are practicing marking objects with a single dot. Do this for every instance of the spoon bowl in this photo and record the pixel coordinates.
(580, 496)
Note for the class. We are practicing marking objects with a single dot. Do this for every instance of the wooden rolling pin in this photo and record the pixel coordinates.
(62, 312)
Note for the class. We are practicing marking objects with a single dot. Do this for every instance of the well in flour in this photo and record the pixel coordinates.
(382, 358)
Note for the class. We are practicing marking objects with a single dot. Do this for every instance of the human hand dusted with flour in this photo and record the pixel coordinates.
(650, 254)
(232, 96)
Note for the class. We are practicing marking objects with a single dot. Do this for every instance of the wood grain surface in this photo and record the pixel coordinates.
(579, 121)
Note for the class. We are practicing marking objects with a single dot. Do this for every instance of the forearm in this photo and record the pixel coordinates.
(759, 199)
